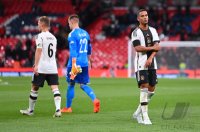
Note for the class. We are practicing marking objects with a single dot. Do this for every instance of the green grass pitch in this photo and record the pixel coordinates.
(119, 98)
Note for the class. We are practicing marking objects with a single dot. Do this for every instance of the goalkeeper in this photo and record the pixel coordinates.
(77, 68)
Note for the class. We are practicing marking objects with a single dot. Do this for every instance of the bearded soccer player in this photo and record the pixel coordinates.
(45, 67)
(79, 60)
(146, 43)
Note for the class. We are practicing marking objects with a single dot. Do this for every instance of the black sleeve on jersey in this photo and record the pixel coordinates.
(136, 43)
(156, 41)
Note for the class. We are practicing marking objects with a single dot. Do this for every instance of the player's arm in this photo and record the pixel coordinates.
(137, 45)
(139, 48)
(156, 41)
(38, 53)
(73, 53)
(150, 59)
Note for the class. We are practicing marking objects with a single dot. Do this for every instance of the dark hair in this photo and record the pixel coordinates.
(140, 10)
(45, 20)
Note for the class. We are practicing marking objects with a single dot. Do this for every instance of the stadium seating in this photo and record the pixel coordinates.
(17, 7)
(107, 51)
(10, 41)
(110, 51)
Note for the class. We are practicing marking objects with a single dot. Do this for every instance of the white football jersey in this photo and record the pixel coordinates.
(48, 43)
(144, 38)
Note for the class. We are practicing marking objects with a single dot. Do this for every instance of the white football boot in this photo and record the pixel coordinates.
(138, 118)
(57, 114)
(26, 112)
(146, 120)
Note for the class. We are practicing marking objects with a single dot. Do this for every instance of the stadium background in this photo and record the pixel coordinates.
(109, 23)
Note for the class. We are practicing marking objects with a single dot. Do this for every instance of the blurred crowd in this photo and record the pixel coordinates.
(21, 54)
(18, 55)
(168, 23)
(173, 58)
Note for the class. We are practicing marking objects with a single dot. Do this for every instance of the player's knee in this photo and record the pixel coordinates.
(71, 84)
(82, 86)
(35, 88)
(144, 85)
(54, 87)
(33, 94)
(151, 88)
(56, 92)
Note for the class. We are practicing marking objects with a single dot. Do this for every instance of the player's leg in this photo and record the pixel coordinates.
(142, 110)
(57, 100)
(152, 83)
(52, 80)
(83, 79)
(57, 96)
(69, 93)
(32, 100)
(144, 103)
(138, 113)
(88, 90)
(38, 81)
(150, 92)
(141, 113)
(69, 97)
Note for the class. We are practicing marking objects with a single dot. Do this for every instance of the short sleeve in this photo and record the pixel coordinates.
(155, 36)
(135, 38)
(38, 40)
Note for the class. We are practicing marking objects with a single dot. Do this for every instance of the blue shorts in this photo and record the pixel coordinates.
(82, 77)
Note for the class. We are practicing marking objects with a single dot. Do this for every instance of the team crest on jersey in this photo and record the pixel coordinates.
(142, 77)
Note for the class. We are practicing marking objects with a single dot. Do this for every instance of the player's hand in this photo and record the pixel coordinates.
(148, 62)
(74, 71)
(35, 70)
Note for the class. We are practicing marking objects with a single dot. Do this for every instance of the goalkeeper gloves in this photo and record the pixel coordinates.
(75, 69)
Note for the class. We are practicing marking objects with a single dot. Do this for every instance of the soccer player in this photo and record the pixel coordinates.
(45, 67)
(146, 43)
(77, 68)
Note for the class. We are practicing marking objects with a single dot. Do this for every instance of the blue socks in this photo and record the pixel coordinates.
(88, 91)
(70, 95)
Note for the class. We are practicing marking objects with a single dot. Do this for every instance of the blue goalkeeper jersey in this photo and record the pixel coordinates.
(79, 47)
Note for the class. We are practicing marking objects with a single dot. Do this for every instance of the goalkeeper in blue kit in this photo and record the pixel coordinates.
(79, 60)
